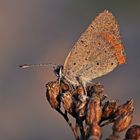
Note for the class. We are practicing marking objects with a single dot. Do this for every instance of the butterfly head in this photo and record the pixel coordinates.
(58, 71)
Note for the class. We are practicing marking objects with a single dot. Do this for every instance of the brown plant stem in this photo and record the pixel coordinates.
(74, 129)
(81, 128)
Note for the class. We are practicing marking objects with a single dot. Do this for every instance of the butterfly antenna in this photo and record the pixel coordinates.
(37, 65)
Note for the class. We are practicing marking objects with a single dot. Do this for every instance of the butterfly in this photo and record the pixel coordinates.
(97, 52)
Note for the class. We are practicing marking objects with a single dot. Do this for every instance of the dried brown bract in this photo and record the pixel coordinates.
(67, 101)
(52, 93)
(108, 110)
(80, 101)
(94, 112)
(64, 87)
(125, 108)
(96, 90)
(122, 122)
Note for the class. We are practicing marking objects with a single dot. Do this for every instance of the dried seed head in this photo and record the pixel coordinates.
(96, 88)
(80, 90)
(67, 101)
(122, 122)
(81, 105)
(90, 118)
(52, 93)
(94, 132)
(64, 87)
(128, 107)
(94, 112)
(133, 133)
(109, 109)
(81, 109)
(79, 101)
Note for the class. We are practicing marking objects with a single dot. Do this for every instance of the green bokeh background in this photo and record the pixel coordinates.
(35, 31)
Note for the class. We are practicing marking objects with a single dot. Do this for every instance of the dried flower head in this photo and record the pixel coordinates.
(64, 87)
(133, 133)
(80, 101)
(67, 102)
(109, 109)
(122, 122)
(52, 93)
(127, 107)
(94, 112)
(97, 89)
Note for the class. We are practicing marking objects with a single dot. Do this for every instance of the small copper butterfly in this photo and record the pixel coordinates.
(97, 52)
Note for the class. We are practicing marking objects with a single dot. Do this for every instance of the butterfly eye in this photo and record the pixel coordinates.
(58, 69)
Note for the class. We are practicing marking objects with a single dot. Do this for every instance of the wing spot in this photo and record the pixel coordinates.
(112, 63)
(74, 63)
(97, 63)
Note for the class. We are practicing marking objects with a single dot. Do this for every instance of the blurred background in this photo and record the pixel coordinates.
(39, 31)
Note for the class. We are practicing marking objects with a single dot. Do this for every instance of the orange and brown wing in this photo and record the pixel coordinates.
(101, 36)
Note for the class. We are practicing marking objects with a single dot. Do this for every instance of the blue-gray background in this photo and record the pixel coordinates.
(35, 31)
